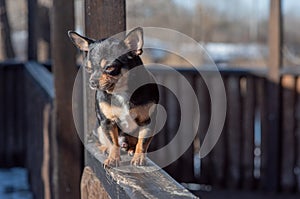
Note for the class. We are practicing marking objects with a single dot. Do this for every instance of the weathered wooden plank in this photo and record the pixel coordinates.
(297, 134)
(68, 157)
(39, 88)
(275, 41)
(288, 136)
(261, 85)
(204, 104)
(248, 133)
(101, 20)
(20, 131)
(33, 130)
(234, 129)
(219, 153)
(273, 92)
(188, 122)
(41, 76)
(91, 187)
(173, 120)
(10, 97)
(46, 158)
(160, 139)
(272, 141)
(32, 29)
(2, 116)
(134, 182)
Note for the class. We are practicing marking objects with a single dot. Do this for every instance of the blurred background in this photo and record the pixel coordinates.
(255, 45)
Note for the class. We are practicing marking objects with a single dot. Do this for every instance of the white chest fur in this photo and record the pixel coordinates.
(119, 112)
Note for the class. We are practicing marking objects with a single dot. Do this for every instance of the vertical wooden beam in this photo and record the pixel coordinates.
(297, 134)
(6, 48)
(248, 144)
(288, 141)
(103, 18)
(273, 92)
(275, 41)
(32, 30)
(234, 129)
(68, 150)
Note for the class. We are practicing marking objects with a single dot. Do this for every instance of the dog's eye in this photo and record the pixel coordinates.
(109, 69)
(112, 70)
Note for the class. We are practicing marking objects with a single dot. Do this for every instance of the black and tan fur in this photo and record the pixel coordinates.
(123, 116)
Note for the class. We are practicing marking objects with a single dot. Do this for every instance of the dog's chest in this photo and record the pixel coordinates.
(118, 110)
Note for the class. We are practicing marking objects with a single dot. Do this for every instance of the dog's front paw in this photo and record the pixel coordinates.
(113, 158)
(139, 159)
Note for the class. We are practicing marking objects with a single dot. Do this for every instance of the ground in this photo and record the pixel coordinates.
(14, 184)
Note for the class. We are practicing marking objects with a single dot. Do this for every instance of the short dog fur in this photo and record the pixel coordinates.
(124, 117)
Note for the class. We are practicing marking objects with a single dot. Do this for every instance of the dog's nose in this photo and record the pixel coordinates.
(93, 83)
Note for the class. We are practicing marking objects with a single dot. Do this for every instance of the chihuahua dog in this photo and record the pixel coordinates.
(123, 108)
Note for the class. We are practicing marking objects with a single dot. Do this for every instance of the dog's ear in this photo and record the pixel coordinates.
(79, 41)
(134, 41)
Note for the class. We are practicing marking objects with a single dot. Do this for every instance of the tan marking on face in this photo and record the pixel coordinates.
(103, 63)
(106, 80)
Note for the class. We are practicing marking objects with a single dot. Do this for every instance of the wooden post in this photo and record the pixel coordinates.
(6, 48)
(101, 21)
(68, 150)
(271, 180)
(32, 30)
(103, 18)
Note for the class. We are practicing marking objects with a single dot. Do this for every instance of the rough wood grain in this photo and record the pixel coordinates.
(273, 92)
(91, 187)
(297, 134)
(234, 129)
(261, 88)
(219, 153)
(248, 133)
(204, 103)
(128, 181)
(68, 158)
(288, 137)
(2, 117)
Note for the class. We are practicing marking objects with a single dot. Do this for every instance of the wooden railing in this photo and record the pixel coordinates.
(25, 121)
(12, 114)
(241, 157)
(239, 160)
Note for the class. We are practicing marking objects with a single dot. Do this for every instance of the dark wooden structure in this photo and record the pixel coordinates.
(136, 182)
(25, 125)
(259, 148)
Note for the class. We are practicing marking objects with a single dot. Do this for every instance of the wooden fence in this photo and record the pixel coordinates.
(25, 122)
(241, 157)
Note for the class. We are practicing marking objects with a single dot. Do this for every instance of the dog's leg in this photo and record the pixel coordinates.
(104, 141)
(108, 138)
(144, 139)
(114, 156)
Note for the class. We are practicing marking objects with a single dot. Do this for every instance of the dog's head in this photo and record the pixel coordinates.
(108, 59)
